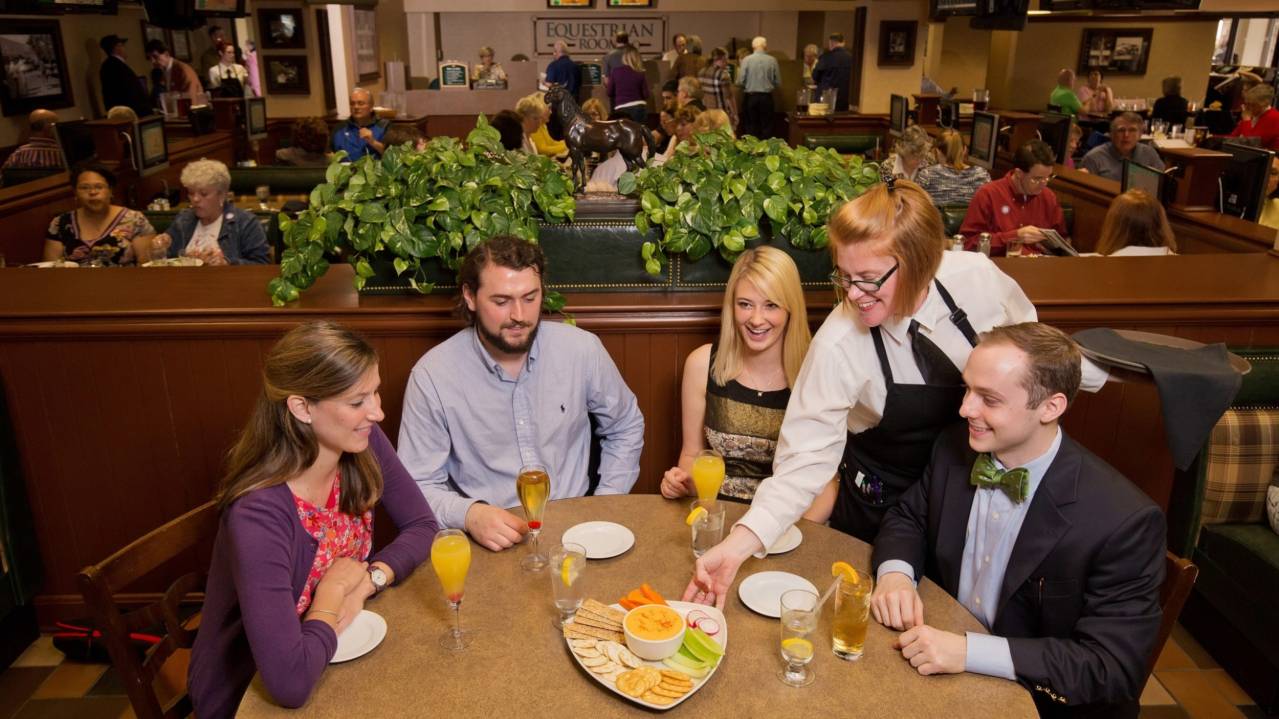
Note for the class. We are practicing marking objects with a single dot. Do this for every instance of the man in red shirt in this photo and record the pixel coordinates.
(1261, 120)
(1017, 205)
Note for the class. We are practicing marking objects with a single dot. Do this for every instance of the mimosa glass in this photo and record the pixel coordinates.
(799, 620)
(708, 474)
(451, 558)
(533, 486)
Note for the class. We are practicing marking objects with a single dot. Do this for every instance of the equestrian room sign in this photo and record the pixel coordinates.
(591, 35)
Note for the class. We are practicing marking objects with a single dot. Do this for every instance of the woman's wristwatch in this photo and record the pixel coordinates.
(378, 577)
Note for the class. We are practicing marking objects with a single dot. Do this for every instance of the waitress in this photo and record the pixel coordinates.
(882, 377)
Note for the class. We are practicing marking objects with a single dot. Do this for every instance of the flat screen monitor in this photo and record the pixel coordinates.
(1243, 183)
(202, 120)
(897, 115)
(152, 145)
(1137, 176)
(255, 117)
(75, 139)
(219, 8)
(1054, 129)
(981, 145)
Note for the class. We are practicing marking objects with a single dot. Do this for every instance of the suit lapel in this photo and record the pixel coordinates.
(957, 502)
(1045, 523)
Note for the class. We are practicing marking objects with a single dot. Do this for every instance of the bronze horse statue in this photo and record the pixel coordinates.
(583, 135)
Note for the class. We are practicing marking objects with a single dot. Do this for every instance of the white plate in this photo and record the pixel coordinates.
(762, 592)
(790, 539)
(176, 262)
(360, 637)
(54, 263)
(601, 539)
(683, 608)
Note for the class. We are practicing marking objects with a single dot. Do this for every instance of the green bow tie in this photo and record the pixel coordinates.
(1014, 482)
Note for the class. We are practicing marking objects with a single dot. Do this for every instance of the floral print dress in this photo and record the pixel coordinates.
(114, 246)
(337, 533)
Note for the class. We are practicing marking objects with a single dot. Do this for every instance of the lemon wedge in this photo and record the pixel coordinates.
(695, 516)
(798, 647)
(568, 571)
(844, 571)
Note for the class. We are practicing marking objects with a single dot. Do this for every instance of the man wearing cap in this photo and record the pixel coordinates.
(120, 84)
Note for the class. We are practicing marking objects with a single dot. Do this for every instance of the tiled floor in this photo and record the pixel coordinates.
(1187, 684)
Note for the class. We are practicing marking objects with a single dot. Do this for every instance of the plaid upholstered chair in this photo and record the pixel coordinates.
(1217, 518)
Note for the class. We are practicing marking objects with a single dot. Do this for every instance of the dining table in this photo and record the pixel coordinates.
(520, 665)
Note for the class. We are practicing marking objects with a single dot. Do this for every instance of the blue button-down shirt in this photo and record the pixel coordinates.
(760, 72)
(468, 426)
(994, 522)
(347, 137)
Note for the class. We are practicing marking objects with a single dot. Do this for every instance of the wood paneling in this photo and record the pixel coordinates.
(127, 386)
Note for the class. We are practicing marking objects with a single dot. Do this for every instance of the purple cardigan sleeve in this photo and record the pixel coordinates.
(290, 655)
(408, 509)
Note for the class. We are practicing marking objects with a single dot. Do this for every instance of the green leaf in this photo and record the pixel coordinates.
(641, 223)
(400, 265)
(372, 212)
(362, 268)
(626, 183)
(772, 162)
(439, 204)
(776, 208)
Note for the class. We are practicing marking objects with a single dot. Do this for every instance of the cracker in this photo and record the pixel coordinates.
(628, 658)
(588, 621)
(603, 611)
(606, 668)
(572, 631)
(675, 675)
(661, 690)
(631, 684)
(594, 661)
(586, 652)
(654, 698)
(583, 643)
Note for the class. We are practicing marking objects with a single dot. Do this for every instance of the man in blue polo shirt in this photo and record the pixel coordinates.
(361, 134)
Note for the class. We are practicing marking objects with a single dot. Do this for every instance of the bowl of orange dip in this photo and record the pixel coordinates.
(653, 631)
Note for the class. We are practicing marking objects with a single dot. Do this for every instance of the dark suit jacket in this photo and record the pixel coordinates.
(1079, 603)
(120, 86)
(835, 69)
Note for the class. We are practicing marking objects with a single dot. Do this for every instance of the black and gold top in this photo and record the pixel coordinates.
(742, 424)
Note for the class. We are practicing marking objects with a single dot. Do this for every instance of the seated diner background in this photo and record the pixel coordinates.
(486, 70)
(534, 113)
(97, 230)
(1136, 224)
(310, 144)
(1107, 160)
(952, 181)
(1260, 120)
(213, 229)
(1094, 97)
(362, 133)
(1172, 108)
(1015, 207)
(40, 150)
(293, 561)
(912, 152)
(510, 126)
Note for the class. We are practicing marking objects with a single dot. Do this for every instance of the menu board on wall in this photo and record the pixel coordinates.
(454, 75)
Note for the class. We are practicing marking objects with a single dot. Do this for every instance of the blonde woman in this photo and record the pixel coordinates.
(735, 390)
(534, 113)
(952, 181)
(594, 109)
(710, 121)
(487, 70)
(1136, 225)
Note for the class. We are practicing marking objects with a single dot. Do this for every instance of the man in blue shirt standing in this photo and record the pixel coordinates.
(563, 71)
(834, 70)
(1058, 555)
(510, 391)
(362, 133)
(759, 77)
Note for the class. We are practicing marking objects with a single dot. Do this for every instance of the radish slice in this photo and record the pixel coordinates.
(695, 618)
(708, 625)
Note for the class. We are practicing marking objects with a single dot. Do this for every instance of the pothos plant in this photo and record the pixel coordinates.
(713, 195)
(415, 207)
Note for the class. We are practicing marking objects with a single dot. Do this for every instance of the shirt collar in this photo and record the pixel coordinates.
(492, 365)
(929, 315)
(1038, 466)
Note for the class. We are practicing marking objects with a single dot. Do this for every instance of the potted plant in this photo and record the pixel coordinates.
(722, 193)
(420, 212)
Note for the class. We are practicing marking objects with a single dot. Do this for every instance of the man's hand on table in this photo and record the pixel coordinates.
(715, 570)
(494, 527)
(896, 603)
(932, 651)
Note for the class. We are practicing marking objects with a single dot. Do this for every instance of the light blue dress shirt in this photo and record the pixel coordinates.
(468, 427)
(994, 522)
(760, 72)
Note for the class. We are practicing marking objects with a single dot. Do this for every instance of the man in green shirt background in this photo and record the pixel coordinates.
(1063, 95)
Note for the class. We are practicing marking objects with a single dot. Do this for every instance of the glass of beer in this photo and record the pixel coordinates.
(852, 609)
(533, 486)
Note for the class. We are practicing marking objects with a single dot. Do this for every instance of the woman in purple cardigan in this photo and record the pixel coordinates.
(293, 563)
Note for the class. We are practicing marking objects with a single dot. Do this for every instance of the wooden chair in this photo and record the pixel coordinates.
(100, 582)
(1179, 579)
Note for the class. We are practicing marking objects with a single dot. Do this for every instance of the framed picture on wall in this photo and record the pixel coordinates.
(1121, 51)
(153, 32)
(897, 43)
(180, 44)
(366, 59)
(35, 67)
(281, 29)
(286, 75)
(570, 3)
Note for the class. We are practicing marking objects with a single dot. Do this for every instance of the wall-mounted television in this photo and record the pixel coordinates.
(897, 112)
(151, 148)
(983, 141)
(255, 117)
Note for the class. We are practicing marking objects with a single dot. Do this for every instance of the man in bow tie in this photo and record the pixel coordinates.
(1058, 555)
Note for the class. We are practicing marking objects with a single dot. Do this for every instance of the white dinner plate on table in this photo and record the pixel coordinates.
(790, 539)
(360, 637)
(762, 592)
(600, 539)
(54, 263)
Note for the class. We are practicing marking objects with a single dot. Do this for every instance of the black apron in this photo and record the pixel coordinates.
(884, 461)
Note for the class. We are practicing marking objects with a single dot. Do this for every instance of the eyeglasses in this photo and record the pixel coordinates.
(846, 282)
(1040, 180)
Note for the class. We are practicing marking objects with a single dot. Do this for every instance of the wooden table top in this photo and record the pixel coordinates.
(519, 663)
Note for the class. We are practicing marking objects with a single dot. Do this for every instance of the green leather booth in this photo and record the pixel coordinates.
(282, 180)
(952, 217)
(845, 144)
(161, 220)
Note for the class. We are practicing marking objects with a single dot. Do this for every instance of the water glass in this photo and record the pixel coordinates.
(568, 585)
(852, 611)
(799, 621)
(263, 193)
(708, 530)
(1015, 248)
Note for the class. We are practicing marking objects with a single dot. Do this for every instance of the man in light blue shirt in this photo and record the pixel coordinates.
(509, 391)
(759, 77)
(1053, 551)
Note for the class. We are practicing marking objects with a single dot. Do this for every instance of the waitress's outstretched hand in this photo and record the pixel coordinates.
(715, 571)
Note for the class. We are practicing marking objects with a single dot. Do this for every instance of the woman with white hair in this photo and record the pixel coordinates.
(213, 229)
(912, 153)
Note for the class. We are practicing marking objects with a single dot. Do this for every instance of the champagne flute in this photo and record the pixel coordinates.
(451, 558)
(533, 486)
(708, 474)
